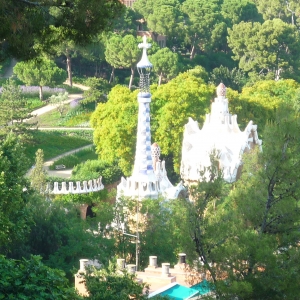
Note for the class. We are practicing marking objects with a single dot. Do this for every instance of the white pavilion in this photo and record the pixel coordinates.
(221, 135)
(149, 178)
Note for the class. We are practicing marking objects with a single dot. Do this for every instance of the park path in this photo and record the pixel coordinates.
(64, 173)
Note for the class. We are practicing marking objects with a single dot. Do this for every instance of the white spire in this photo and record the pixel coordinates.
(145, 182)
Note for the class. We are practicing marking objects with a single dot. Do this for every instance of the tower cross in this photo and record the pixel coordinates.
(144, 45)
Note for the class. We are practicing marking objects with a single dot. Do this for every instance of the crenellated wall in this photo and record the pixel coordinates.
(80, 187)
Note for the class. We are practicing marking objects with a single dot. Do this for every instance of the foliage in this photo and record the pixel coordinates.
(40, 72)
(122, 52)
(37, 173)
(184, 96)
(163, 230)
(206, 28)
(165, 64)
(70, 161)
(94, 168)
(270, 47)
(234, 78)
(62, 238)
(58, 100)
(31, 279)
(248, 234)
(266, 228)
(263, 98)
(236, 11)
(45, 24)
(115, 124)
(97, 92)
(14, 215)
(13, 109)
(111, 283)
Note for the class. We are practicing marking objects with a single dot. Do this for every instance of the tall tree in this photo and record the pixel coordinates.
(182, 97)
(270, 47)
(14, 215)
(165, 64)
(115, 125)
(122, 52)
(28, 26)
(13, 110)
(265, 205)
(204, 21)
(40, 72)
(38, 174)
(235, 11)
(97, 92)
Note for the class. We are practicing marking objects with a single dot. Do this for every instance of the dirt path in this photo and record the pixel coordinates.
(64, 173)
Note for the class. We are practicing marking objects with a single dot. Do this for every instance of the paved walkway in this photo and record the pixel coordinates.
(50, 107)
(64, 173)
(65, 128)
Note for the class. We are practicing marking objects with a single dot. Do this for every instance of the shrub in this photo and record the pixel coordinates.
(94, 168)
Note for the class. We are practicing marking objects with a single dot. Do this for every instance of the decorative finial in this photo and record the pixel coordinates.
(155, 153)
(221, 90)
(144, 62)
(144, 67)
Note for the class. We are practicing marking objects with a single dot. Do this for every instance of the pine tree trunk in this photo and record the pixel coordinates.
(131, 78)
(69, 68)
(112, 75)
(159, 79)
(41, 92)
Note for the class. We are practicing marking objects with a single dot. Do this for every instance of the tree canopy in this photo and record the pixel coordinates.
(40, 72)
(28, 26)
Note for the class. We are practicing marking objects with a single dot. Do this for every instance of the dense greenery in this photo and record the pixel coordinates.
(245, 235)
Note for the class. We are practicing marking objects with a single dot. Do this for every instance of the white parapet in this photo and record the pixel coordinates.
(82, 187)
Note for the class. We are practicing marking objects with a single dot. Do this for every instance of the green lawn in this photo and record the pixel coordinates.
(76, 158)
(54, 143)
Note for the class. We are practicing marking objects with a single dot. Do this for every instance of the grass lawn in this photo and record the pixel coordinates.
(54, 143)
(76, 158)
(73, 117)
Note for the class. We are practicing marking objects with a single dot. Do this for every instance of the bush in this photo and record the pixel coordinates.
(94, 168)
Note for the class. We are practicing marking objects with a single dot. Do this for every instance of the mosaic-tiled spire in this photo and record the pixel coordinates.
(143, 168)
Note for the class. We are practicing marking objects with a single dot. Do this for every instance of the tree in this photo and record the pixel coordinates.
(13, 111)
(31, 32)
(122, 52)
(38, 174)
(30, 279)
(14, 215)
(115, 125)
(247, 234)
(182, 97)
(40, 72)
(97, 92)
(267, 235)
(165, 64)
(204, 21)
(68, 49)
(261, 100)
(236, 11)
(270, 47)
(59, 101)
(166, 19)
(234, 78)
(111, 283)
